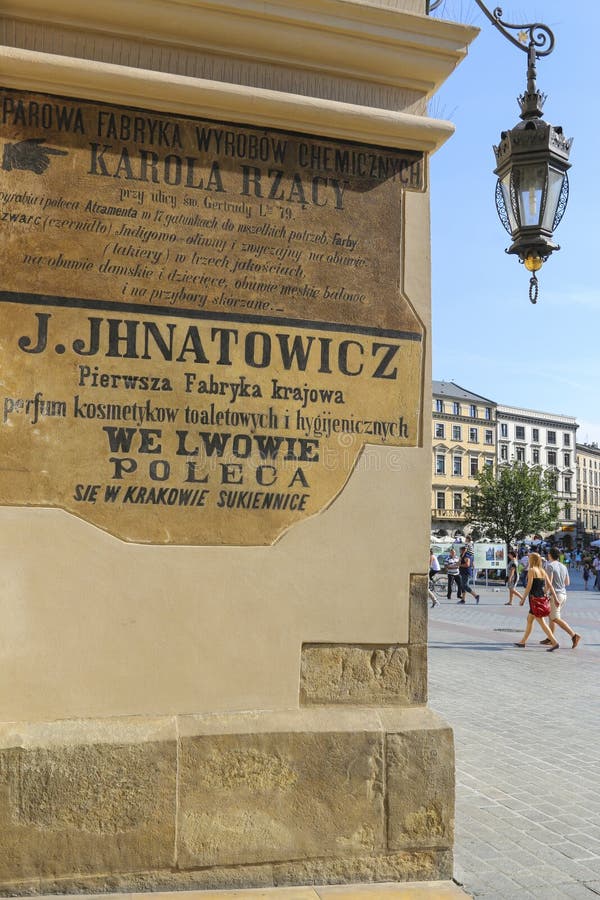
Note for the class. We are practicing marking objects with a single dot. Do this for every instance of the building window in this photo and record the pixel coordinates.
(585, 495)
(535, 435)
(441, 500)
(568, 487)
(554, 482)
(474, 435)
(504, 453)
(551, 457)
(504, 430)
(473, 465)
(489, 462)
(567, 511)
(457, 465)
(488, 412)
(535, 457)
(456, 433)
(520, 432)
(489, 436)
(456, 409)
(551, 437)
(458, 501)
(567, 440)
(567, 460)
(473, 411)
(520, 451)
(440, 464)
(439, 406)
(440, 430)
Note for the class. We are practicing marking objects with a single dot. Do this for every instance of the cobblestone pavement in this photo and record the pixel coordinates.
(527, 733)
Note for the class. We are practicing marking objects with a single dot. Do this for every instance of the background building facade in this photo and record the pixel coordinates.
(471, 431)
(588, 491)
(464, 440)
(547, 440)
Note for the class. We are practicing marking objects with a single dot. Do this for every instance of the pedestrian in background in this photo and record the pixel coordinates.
(434, 565)
(538, 585)
(586, 575)
(559, 576)
(453, 572)
(465, 567)
(512, 576)
(524, 561)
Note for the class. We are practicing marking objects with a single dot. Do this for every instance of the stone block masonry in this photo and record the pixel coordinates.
(310, 796)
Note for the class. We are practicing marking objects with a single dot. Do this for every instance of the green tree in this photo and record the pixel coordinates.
(513, 501)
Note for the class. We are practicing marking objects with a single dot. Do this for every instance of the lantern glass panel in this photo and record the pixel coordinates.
(531, 186)
(505, 184)
(555, 180)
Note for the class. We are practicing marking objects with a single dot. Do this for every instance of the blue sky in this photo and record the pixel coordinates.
(487, 336)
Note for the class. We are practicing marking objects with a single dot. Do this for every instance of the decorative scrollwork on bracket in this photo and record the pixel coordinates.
(534, 35)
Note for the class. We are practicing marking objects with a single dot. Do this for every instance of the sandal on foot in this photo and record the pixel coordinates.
(575, 639)
(519, 645)
(555, 647)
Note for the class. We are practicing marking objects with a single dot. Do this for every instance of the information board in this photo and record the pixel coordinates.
(489, 556)
(201, 324)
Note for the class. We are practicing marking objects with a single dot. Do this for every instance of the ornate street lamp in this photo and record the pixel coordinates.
(531, 159)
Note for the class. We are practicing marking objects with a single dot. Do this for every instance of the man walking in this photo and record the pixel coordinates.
(453, 571)
(525, 569)
(465, 565)
(559, 575)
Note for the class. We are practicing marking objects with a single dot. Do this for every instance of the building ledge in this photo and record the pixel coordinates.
(346, 38)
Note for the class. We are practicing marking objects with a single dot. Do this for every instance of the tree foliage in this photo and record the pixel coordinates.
(514, 501)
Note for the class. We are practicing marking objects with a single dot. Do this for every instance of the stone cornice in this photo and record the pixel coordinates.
(586, 449)
(345, 38)
(535, 418)
(50, 73)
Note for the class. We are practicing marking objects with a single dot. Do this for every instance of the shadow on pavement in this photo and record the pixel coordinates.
(467, 645)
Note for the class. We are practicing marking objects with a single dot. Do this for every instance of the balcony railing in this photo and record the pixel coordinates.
(448, 513)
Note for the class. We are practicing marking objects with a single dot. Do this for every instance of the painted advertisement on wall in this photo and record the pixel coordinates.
(201, 324)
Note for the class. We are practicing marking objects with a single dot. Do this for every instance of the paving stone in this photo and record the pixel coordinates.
(517, 815)
(573, 851)
(583, 839)
(577, 892)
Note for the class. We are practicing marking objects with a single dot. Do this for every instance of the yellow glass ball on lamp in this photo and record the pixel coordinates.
(533, 262)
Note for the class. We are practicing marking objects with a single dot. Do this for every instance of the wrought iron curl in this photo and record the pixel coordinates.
(501, 207)
(562, 202)
(540, 36)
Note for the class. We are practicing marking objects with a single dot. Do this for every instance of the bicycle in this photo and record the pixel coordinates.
(439, 584)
